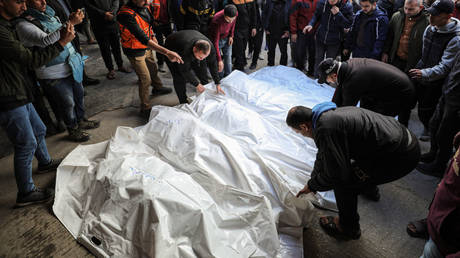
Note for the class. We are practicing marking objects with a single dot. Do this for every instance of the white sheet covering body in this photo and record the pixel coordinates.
(215, 178)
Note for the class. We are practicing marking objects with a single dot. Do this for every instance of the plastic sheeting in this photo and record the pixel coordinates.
(215, 178)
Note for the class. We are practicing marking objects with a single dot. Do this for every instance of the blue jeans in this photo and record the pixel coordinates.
(431, 250)
(69, 95)
(226, 54)
(27, 132)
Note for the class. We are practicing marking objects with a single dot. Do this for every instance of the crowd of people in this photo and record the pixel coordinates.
(387, 55)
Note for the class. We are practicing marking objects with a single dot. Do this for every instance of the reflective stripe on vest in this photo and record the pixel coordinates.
(128, 40)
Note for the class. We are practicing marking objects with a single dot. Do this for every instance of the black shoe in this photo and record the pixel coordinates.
(161, 91)
(145, 113)
(431, 169)
(372, 194)
(77, 135)
(87, 81)
(52, 166)
(253, 66)
(88, 124)
(428, 157)
(35, 196)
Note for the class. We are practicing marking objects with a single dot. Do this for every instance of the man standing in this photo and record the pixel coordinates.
(137, 39)
(194, 48)
(17, 115)
(301, 13)
(276, 25)
(105, 28)
(245, 27)
(334, 17)
(403, 45)
(357, 150)
(441, 42)
(221, 31)
(196, 15)
(378, 86)
(62, 77)
(162, 30)
(368, 32)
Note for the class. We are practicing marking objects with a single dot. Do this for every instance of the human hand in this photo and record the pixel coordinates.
(346, 52)
(307, 29)
(305, 190)
(67, 34)
(285, 35)
(109, 16)
(385, 57)
(293, 38)
(335, 10)
(200, 88)
(267, 32)
(230, 41)
(253, 32)
(219, 89)
(174, 57)
(76, 17)
(220, 66)
(415, 73)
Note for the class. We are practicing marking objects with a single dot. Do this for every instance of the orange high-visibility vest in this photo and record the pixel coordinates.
(128, 40)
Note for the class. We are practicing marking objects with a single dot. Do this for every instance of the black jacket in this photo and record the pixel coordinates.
(348, 133)
(374, 83)
(247, 17)
(96, 10)
(182, 42)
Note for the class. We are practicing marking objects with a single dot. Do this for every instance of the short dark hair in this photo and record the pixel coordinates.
(202, 45)
(298, 115)
(370, 1)
(230, 10)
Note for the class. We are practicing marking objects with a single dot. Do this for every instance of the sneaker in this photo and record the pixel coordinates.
(35, 196)
(161, 68)
(253, 66)
(428, 157)
(88, 124)
(145, 113)
(372, 194)
(77, 135)
(52, 166)
(431, 169)
(261, 57)
(161, 91)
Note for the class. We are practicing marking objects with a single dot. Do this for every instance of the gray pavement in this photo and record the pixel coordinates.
(35, 232)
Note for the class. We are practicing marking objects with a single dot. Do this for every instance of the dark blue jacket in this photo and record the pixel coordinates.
(267, 13)
(330, 30)
(373, 37)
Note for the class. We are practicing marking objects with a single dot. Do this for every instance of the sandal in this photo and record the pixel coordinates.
(418, 229)
(111, 75)
(333, 230)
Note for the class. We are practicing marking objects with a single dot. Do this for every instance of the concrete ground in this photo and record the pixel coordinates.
(35, 232)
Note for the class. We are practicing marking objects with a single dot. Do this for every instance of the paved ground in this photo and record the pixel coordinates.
(35, 232)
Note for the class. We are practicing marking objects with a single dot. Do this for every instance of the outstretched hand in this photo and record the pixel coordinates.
(305, 190)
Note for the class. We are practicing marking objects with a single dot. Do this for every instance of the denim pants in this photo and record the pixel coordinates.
(27, 132)
(69, 96)
(226, 54)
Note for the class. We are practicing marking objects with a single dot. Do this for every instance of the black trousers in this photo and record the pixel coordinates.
(275, 39)
(305, 46)
(255, 45)
(428, 94)
(444, 124)
(367, 174)
(161, 32)
(239, 49)
(109, 43)
(179, 81)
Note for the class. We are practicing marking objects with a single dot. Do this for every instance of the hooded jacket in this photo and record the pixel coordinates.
(440, 70)
(300, 14)
(330, 29)
(369, 42)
